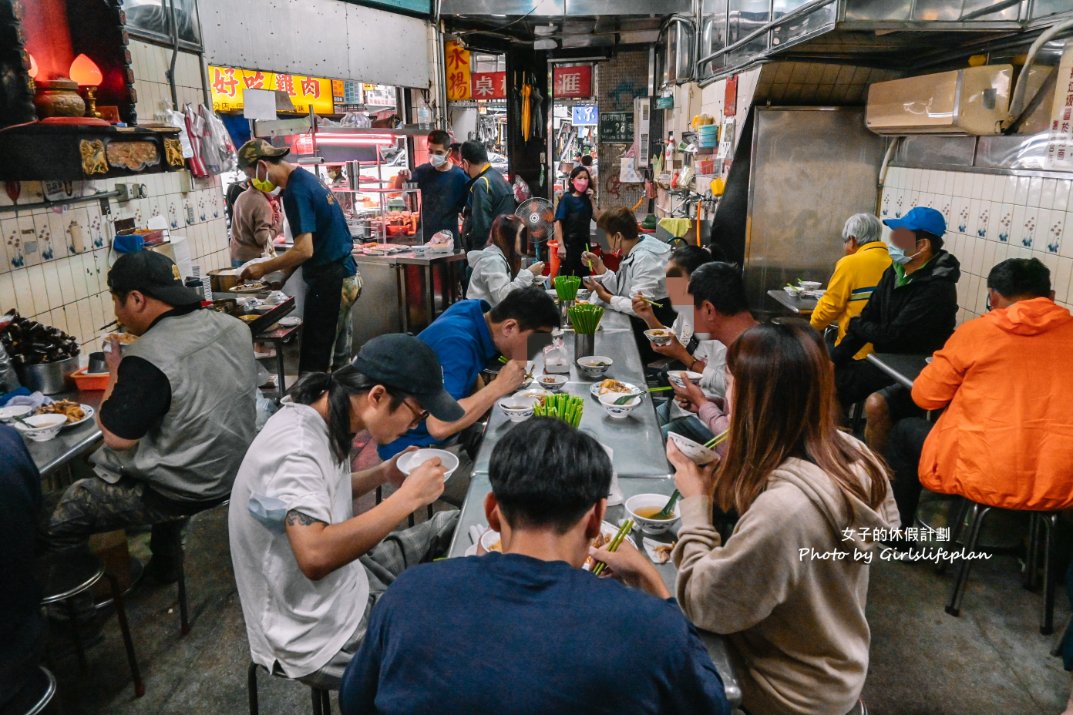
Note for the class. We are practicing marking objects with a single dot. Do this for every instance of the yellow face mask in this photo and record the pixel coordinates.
(264, 184)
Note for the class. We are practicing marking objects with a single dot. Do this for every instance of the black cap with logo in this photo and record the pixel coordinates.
(153, 274)
(404, 363)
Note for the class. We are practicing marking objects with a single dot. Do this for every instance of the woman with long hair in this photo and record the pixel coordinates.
(497, 269)
(576, 210)
(789, 586)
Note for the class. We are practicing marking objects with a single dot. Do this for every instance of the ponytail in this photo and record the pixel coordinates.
(340, 385)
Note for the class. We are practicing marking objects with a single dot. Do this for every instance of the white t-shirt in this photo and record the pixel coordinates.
(290, 619)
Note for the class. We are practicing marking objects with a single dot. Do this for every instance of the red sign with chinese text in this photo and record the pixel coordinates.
(572, 82)
(489, 85)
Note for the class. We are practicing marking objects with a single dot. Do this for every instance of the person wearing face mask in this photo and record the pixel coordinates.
(641, 272)
(322, 246)
(576, 210)
(443, 188)
(489, 195)
(913, 310)
(254, 224)
(497, 270)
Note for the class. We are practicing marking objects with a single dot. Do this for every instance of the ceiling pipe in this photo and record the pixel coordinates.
(1017, 100)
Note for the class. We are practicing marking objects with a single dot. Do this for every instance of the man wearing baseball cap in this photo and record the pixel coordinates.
(308, 569)
(177, 415)
(913, 310)
(322, 246)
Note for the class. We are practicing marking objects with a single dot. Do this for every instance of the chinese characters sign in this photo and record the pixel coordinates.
(229, 83)
(489, 85)
(456, 59)
(572, 82)
(585, 116)
(1060, 146)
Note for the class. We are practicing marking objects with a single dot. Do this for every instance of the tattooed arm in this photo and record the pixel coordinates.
(321, 548)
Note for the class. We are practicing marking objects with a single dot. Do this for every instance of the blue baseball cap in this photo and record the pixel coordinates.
(920, 218)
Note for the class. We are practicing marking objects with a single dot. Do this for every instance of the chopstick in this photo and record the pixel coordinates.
(651, 302)
(109, 325)
(659, 389)
(503, 360)
(717, 440)
(616, 541)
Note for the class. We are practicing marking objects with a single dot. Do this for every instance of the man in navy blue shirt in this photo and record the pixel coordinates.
(22, 629)
(529, 631)
(323, 247)
(465, 338)
(443, 188)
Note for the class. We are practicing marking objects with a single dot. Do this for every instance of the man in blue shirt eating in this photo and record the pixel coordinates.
(527, 630)
(323, 247)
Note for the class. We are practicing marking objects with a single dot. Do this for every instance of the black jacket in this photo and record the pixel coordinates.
(489, 196)
(915, 318)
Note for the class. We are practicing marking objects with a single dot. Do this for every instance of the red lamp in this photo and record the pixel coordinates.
(85, 72)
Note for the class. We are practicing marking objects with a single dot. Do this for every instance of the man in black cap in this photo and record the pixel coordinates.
(307, 568)
(323, 247)
(177, 415)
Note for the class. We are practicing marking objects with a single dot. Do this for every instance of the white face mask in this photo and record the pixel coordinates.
(437, 160)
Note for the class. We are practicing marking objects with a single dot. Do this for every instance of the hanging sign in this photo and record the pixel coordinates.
(616, 128)
(228, 85)
(572, 82)
(456, 59)
(1060, 144)
(489, 85)
(585, 116)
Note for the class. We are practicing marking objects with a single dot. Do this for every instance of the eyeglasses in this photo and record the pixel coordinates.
(419, 415)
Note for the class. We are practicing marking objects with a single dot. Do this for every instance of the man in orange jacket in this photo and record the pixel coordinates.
(1006, 437)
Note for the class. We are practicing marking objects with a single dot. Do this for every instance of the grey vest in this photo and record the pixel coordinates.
(195, 451)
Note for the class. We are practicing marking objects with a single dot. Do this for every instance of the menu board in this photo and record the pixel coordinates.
(1060, 144)
(616, 128)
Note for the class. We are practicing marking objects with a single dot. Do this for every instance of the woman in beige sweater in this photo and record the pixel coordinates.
(789, 586)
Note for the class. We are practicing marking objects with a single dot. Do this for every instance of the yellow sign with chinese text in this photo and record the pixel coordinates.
(456, 60)
(229, 83)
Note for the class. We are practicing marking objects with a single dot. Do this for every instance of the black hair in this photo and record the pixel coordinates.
(531, 307)
(619, 220)
(440, 138)
(474, 152)
(547, 474)
(340, 385)
(936, 241)
(1020, 278)
(721, 285)
(690, 258)
(580, 169)
(586, 160)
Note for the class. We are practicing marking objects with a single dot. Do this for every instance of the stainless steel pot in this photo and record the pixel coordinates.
(48, 377)
(222, 280)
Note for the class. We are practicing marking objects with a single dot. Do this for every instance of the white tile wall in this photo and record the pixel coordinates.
(63, 281)
(991, 218)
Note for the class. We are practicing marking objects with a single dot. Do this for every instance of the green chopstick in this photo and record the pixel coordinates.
(659, 389)
(651, 302)
(717, 440)
(503, 360)
(616, 541)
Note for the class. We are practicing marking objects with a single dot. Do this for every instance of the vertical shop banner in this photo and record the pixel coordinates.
(489, 85)
(228, 84)
(456, 60)
(572, 82)
(1060, 145)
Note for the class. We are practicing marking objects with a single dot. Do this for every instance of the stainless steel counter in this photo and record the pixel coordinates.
(636, 440)
(71, 441)
(473, 515)
(796, 304)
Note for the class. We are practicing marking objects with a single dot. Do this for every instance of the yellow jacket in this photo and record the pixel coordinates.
(851, 286)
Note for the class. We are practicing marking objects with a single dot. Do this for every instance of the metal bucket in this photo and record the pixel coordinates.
(584, 345)
(48, 377)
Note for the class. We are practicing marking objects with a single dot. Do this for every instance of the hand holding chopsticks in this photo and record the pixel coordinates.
(616, 541)
(648, 300)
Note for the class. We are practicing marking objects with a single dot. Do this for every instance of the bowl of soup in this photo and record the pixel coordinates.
(643, 508)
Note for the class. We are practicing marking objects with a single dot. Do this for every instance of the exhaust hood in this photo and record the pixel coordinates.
(971, 101)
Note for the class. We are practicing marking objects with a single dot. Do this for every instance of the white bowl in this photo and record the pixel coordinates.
(8, 414)
(583, 295)
(554, 383)
(44, 427)
(410, 461)
(618, 412)
(660, 336)
(679, 377)
(792, 291)
(517, 409)
(809, 285)
(646, 503)
(697, 453)
(594, 367)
